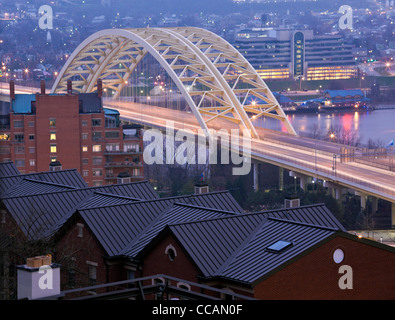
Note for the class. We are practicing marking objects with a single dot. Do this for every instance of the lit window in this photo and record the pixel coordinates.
(84, 148)
(52, 122)
(52, 136)
(53, 148)
(32, 162)
(96, 148)
(279, 246)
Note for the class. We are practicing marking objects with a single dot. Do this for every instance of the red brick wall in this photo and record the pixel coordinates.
(66, 112)
(316, 275)
(158, 262)
(71, 247)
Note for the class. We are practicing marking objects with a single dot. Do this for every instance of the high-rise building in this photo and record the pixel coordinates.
(42, 132)
(280, 54)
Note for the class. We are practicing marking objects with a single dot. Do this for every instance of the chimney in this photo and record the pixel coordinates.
(292, 202)
(99, 88)
(201, 186)
(12, 90)
(42, 83)
(38, 278)
(69, 87)
(123, 177)
(55, 166)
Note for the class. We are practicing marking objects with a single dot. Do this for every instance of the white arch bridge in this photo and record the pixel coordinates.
(228, 87)
(226, 90)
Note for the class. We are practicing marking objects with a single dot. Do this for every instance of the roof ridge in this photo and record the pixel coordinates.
(23, 175)
(41, 194)
(49, 182)
(303, 223)
(157, 199)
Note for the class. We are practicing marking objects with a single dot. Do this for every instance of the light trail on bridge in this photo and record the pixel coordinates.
(293, 152)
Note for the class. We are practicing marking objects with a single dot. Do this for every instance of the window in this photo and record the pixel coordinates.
(97, 160)
(84, 123)
(84, 148)
(19, 149)
(80, 227)
(171, 252)
(131, 147)
(32, 149)
(112, 134)
(19, 137)
(31, 124)
(112, 147)
(20, 162)
(18, 123)
(96, 122)
(52, 122)
(32, 162)
(279, 246)
(53, 159)
(84, 136)
(53, 148)
(31, 137)
(92, 271)
(85, 161)
(97, 172)
(52, 136)
(96, 135)
(85, 173)
(96, 148)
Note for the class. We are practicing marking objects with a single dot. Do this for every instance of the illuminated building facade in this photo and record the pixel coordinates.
(284, 54)
(72, 130)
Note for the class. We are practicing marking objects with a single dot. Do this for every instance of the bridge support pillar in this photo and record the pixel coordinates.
(255, 167)
(302, 179)
(375, 204)
(363, 199)
(334, 190)
(280, 178)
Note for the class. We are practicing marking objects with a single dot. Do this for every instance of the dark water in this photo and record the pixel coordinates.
(378, 125)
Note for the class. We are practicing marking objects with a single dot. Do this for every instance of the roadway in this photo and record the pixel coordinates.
(309, 157)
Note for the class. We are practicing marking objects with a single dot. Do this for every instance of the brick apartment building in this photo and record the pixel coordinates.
(41, 132)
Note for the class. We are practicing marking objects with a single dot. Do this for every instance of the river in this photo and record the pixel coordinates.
(378, 125)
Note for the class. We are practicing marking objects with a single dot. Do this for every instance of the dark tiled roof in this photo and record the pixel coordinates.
(29, 186)
(176, 213)
(69, 178)
(317, 214)
(40, 215)
(234, 246)
(253, 261)
(118, 226)
(8, 169)
(141, 190)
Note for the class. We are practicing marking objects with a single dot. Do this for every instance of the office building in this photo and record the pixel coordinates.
(282, 54)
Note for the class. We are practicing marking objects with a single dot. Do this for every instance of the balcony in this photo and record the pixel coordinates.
(123, 164)
(128, 152)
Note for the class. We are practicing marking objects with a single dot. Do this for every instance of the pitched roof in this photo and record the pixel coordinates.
(117, 226)
(234, 246)
(253, 261)
(38, 215)
(177, 213)
(8, 169)
(69, 177)
(138, 190)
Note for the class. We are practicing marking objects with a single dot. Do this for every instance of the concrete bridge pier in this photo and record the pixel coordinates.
(302, 179)
(255, 171)
(334, 189)
(280, 178)
(363, 199)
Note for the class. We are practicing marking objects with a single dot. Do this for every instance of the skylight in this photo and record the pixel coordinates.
(279, 246)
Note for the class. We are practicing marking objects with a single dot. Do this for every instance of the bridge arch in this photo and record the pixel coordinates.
(227, 87)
